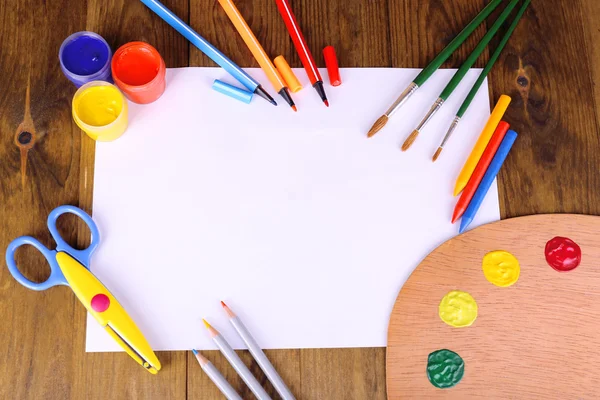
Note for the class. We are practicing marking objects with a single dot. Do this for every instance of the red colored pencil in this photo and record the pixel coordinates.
(480, 169)
(302, 48)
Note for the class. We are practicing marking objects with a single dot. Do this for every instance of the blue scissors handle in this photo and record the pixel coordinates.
(83, 256)
(56, 276)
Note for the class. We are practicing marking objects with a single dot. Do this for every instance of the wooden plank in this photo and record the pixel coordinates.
(591, 23)
(114, 375)
(344, 25)
(37, 355)
(554, 164)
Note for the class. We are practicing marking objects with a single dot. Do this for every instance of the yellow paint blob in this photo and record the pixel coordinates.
(501, 268)
(100, 109)
(458, 309)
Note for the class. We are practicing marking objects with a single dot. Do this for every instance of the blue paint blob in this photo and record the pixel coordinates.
(85, 55)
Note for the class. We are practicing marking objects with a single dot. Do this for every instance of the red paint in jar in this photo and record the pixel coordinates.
(139, 71)
(562, 254)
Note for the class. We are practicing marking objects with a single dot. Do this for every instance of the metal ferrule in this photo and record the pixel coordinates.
(434, 108)
(450, 130)
(402, 99)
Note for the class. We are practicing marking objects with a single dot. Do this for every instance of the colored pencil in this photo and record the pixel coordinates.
(257, 50)
(480, 145)
(259, 355)
(432, 67)
(215, 376)
(487, 180)
(482, 166)
(302, 48)
(460, 74)
(237, 363)
(486, 70)
(207, 48)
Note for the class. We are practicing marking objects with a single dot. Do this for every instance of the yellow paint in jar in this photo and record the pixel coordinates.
(501, 268)
(100, 110)
(458, 309)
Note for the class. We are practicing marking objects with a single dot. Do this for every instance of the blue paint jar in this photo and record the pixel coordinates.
(85, 57)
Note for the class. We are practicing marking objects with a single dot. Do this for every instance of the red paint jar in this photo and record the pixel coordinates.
(139, 71)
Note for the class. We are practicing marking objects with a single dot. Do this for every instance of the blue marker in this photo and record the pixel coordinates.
(211, 51)
(487, 180)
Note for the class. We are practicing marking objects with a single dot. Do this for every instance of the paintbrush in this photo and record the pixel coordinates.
(433, 66)
(469, 99)
(460, 74)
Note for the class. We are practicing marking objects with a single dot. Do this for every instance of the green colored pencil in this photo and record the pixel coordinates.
(465, 105)
(460, 74)
(433, 66)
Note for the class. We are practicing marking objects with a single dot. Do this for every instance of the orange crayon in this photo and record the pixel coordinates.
(480, 169)
(257, 50)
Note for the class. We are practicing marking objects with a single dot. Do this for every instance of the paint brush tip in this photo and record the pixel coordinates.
(378, 125)
(410, 140)
(437, 154)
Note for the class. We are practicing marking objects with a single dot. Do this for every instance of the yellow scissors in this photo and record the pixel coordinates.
(71, 267)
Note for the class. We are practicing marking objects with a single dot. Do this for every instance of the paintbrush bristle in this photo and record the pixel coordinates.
(410, 140)
(378, 125)
(437, 154)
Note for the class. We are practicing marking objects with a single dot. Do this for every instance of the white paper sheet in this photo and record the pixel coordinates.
(305, 227)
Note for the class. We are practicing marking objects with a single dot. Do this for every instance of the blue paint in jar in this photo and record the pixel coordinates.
(85, 57)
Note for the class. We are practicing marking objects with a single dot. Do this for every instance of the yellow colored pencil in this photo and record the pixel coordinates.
(257, 50)
(481, 144)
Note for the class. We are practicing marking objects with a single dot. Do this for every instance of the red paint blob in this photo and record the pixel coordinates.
(100, 302)
(562, 254)
(139, 71)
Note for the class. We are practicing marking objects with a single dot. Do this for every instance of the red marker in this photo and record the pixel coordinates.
(302, 48)
(482, 166)
(333, 69)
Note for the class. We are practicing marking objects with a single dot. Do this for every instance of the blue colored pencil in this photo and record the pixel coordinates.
(487, 180)
(211, 51)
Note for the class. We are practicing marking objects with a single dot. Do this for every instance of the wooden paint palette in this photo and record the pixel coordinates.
(537, 339)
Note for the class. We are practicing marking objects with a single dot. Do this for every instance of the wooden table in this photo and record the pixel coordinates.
(549, 68)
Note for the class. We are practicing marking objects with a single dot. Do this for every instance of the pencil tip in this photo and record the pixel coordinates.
(194, 351)
(326, 102)
(206, 324)
(295, 108)
(223, 304)
(410, 140)
(437, 154)
(378, 125)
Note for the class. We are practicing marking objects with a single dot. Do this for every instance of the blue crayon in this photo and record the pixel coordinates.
(487, 180)
(211, 51)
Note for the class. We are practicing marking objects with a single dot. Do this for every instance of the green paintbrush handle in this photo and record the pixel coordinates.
(465, 105)
(462, 71)
(455, 43)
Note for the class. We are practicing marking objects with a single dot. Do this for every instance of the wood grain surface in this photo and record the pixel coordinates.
(550, 66)
(532, 340)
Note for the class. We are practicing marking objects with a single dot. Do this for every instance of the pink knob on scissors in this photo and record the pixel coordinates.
(100, 302)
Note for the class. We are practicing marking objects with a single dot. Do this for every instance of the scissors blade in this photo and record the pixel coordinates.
(105, 309)
(153, 366)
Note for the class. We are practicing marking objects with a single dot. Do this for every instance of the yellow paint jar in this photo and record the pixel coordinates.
(100, 110)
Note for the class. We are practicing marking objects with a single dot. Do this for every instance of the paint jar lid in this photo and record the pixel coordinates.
(232, 91)
(77, 77)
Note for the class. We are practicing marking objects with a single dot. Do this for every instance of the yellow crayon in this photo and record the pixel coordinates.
(257, 50)
(481, 144)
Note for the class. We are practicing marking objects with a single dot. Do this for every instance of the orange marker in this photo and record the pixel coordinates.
(257, 50)
(288, 75)
(480, 169)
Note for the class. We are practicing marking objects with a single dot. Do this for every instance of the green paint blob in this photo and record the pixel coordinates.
(445, 368)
